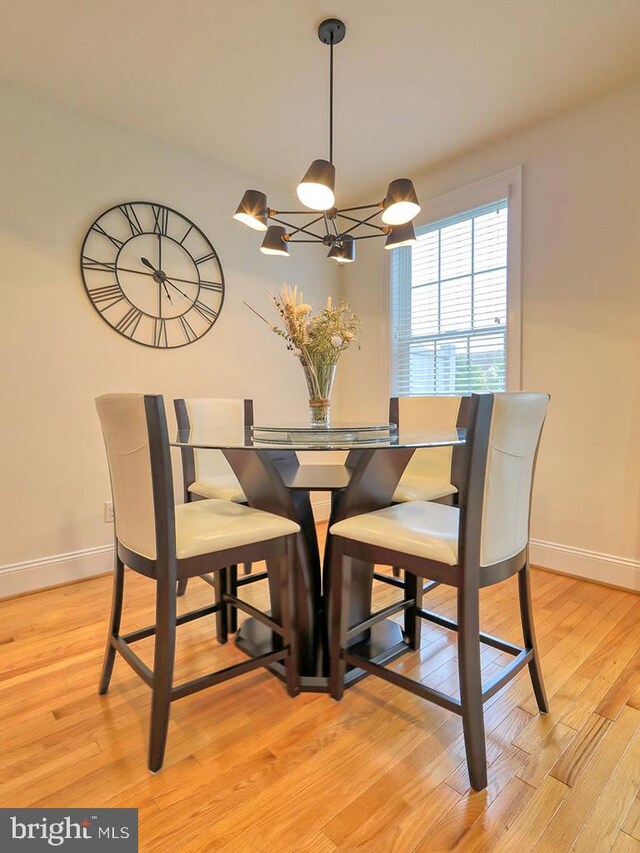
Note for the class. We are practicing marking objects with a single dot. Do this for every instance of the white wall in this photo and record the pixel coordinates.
(581, 326)
(62, 168)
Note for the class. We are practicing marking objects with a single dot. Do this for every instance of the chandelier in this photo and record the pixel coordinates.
(339, 227)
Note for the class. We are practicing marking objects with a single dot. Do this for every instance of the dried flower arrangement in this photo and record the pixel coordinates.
(318, 340)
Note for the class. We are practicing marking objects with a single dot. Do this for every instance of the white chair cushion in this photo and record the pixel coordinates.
(419, 528)
(413, 488)
(224, 488)
(204, 527)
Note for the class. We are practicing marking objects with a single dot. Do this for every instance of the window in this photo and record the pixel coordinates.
(449, 305)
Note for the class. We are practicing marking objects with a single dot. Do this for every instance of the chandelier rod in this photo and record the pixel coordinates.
(331, 99)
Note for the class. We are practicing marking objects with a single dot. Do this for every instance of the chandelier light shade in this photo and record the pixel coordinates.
(253, 210)
(316, 189)
(343, 251)
(400, 203)
(274, 242)
(332, 227)
(401, 235)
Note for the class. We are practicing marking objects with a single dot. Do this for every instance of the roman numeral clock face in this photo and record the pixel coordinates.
(152, 275)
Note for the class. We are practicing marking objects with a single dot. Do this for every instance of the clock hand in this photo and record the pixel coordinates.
(159, 251)
(148, 263)
(137, 272)
(166, 280)
(181, 292)
(166, 290)
(186, 281)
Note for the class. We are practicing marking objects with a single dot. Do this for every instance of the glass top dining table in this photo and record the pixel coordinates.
(298, 436)
(265, 460)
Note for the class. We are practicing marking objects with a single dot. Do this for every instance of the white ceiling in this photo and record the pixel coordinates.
(244, 82)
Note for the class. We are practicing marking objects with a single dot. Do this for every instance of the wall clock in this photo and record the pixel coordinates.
(152, 274)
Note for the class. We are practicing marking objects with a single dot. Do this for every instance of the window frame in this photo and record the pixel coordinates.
(507, 184)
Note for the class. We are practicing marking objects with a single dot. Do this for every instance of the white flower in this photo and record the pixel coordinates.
(336, 341)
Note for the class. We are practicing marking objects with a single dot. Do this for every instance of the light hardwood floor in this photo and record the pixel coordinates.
(249, 769)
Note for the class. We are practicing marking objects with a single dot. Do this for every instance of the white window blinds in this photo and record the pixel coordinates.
(449, 306)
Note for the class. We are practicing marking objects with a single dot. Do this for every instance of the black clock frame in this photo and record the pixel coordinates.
(162, 213)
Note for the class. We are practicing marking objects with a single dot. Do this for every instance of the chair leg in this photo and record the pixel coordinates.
(289, 637)
(246, 568)
(182, 587)
(232, 612)
(412, 623)
(162, 671)
(529, 634)
(114, 623)
(395, 571)
(220, 581)
(340, 581)
(471, 684)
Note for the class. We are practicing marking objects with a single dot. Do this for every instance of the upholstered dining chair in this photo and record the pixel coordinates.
(207, 474)
(167, 543)
(480, 542)
(427, 477)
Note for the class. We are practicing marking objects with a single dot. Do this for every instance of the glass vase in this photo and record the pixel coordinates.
(319, 379)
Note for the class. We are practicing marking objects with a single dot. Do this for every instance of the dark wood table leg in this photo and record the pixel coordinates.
(376, 474)
(263, 486)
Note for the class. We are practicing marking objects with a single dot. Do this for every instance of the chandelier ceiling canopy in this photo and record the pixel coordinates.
(339, 227)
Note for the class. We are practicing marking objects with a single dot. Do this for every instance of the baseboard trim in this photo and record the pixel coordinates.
(19, 578)
(609, 569)
(30, 575)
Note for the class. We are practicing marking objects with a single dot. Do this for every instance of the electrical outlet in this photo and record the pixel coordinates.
(108, 511)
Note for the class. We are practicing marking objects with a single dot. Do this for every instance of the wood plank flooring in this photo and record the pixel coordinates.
(249, 769)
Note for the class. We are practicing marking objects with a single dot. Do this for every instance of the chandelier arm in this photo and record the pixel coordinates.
(298, 228)
(368, 236)
(362, 221)
(289, 213)
(378, 204)
(317, 240)
(326, 225)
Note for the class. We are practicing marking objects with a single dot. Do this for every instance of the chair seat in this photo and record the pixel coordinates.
(419, 528)
(207, 526)
(225, 488)
(414, 488)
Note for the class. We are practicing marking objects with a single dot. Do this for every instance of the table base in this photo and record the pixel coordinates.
(384, 643)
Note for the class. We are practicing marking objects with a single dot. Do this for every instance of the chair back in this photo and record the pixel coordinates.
(134, 428)
(203, 414)
(516, 425)
(503, 436)
(429, 412)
